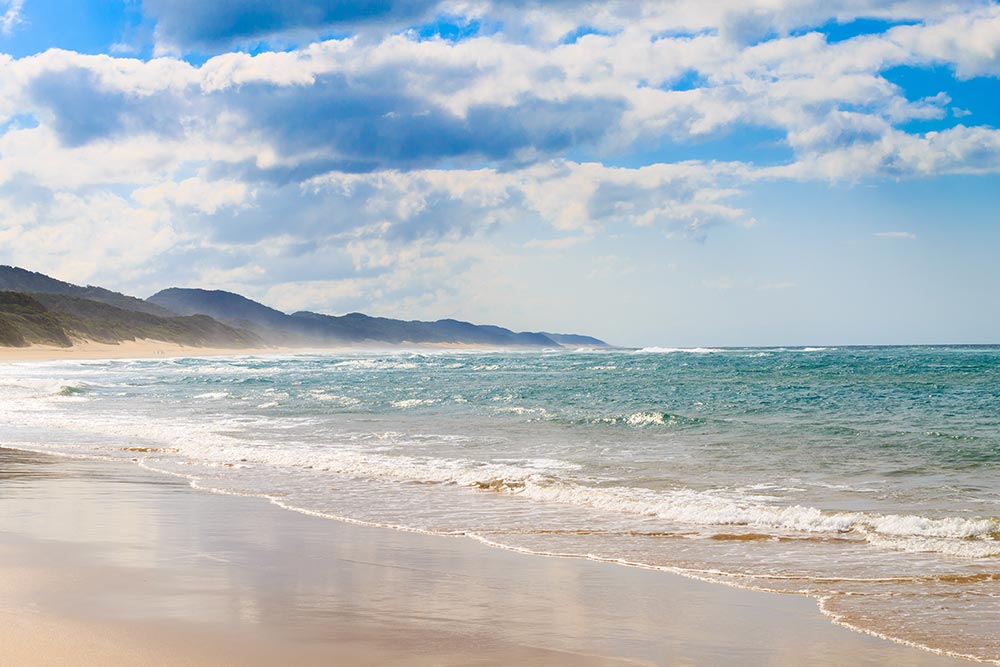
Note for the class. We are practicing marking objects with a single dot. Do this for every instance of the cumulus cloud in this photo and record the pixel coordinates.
(739, 22)
(80, 109)
(897, 154)
(401, 103)
(970, 41)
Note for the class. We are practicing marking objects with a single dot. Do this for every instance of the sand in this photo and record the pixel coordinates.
(137, 349)
(105, 563)
(152, 349)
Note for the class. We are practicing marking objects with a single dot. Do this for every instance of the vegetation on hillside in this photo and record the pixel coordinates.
(52, 319)
(38, 309)
(24, 321)
(15, 279)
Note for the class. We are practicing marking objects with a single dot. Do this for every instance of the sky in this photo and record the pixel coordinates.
(672, 173)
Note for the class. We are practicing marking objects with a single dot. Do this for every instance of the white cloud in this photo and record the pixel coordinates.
(381, 166)
(204, 195)
(969, 40)
(568, 196)
(94, 238)
(821, 96)
(11, 16)
(958, 150)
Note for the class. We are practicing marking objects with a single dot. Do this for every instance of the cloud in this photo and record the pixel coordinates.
(337, 120)
(560, 243)
(59, 232)
(355, 105)
(188, 25)
(11, 16)
(202, 195)
(736, 21)
(896, 235)
(374, 126)
(897, 154)
(207, 27)
(563, 194)
(382, 165)
(82, 110)
(970, 41)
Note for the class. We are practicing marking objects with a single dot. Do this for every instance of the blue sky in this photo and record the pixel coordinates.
(673, 173)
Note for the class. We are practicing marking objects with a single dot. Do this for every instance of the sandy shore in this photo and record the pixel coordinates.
(104, 563)
(152, 349)
(137, 349)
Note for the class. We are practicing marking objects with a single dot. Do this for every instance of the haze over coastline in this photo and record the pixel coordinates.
(36, 310)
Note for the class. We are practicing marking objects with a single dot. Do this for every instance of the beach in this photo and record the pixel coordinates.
(104, 563)
(129, 349)
(157, 349)
(436, 333)
(482, 507)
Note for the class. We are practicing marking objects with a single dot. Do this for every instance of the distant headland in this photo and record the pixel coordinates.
(36, 309)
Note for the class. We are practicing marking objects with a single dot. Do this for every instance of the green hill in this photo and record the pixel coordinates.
(52, 319)
(15, 279)
(38, 309)
(25, 321)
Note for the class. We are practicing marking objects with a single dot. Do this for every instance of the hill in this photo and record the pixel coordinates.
(361, 327)
(14, 279)
(218, 304)
(53, 319)
(315, 328)
(575, 340)
(25, 321)
(35, 308)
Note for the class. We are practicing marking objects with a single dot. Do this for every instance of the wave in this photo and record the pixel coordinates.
(671, 350)
(756, 352)
(325, 396)
(212, 395)
(551, 482)
(648, 419)
(413, 402)
(685, 506)
(746, 581)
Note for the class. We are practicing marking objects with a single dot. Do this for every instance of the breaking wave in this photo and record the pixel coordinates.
(671, 350)
(546, 481)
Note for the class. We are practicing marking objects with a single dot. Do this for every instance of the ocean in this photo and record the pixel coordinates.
(864, 477)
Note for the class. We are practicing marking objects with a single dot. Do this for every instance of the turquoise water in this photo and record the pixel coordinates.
(864, 477)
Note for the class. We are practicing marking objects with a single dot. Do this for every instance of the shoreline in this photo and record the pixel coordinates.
(153, 349)
(137, 349)
(820, 601)
(459, 599)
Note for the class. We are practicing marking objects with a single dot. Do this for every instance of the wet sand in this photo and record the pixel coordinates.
(104, 563)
